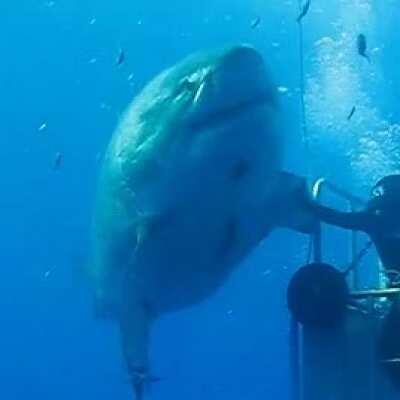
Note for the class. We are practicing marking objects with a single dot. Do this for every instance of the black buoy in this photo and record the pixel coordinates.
(389, 344)
(317, 295)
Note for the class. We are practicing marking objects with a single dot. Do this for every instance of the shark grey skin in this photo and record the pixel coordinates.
(190, 184)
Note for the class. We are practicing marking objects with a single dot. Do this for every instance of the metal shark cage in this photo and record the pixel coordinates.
(341, 363)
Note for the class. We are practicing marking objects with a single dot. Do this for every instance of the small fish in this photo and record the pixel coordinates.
(105, 106)
(391, 361)
(42, 127)
(362, 47)
(304, 11)
(282, 89)
(255, 23)
(47, 274)
(350, 116)
(58, 160)
(121, 58)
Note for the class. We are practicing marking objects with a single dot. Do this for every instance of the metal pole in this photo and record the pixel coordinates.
(295, 359)
(380, 293)
(352, 200)
(304, 132)
(317, 237)
(318, 244)
(354, 250)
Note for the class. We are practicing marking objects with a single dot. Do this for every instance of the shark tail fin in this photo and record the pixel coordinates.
(141, 381)
(135, 319)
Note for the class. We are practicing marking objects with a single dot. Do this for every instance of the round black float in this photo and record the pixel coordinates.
(317, 295)
(389, 344)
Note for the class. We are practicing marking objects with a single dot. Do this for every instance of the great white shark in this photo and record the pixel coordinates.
(190, 184)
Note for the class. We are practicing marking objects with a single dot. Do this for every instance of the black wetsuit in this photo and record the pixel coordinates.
(383, 227)
(381, 221)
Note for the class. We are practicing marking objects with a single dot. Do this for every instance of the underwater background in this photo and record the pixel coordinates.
(61, 97)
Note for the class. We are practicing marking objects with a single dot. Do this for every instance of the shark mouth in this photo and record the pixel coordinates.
(225, 114)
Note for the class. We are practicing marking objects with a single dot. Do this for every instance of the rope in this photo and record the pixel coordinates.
(304, 128)
(310, 249)
(354, 264)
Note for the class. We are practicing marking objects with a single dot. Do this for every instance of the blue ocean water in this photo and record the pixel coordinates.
(61, 97)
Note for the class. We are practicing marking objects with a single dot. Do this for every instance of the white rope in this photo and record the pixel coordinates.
(304, 128)
(303, 123)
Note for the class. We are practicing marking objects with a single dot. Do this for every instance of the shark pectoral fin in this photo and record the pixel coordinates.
(135, 322)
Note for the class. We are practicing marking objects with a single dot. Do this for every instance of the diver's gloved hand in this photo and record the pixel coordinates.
(304, 196)
(299, 192)
(297, 212)
(305, 204)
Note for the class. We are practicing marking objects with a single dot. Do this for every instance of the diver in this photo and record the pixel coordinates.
(380, 219)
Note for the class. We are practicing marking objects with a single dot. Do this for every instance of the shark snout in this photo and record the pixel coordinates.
(242, 75)
(243, 57)
(237, 83)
